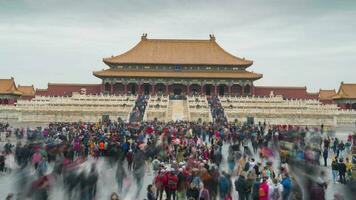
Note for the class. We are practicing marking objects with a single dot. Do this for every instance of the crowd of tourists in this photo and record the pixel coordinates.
(187, 160)
(217, 111)
(139, 108)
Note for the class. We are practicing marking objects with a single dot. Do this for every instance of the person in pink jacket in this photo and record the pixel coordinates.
(263, 191)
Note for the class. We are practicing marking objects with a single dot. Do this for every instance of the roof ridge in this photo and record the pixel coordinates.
(294, 87)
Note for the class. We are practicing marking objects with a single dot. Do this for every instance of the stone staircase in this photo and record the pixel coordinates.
(169, 112)
(138, 111)
(177, 110)
(217, 111)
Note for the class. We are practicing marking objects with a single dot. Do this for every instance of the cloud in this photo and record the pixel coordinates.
(292, 42)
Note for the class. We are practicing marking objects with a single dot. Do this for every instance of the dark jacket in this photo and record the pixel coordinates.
(342, 168)
(241, 185)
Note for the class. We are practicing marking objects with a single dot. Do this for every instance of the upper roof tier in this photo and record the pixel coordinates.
(172, 51)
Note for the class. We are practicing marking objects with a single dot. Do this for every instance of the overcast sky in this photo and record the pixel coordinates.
(292, 42)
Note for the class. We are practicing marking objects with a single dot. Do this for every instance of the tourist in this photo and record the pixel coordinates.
(263, 191)
(348, 169)
(150, 193)
(342, 171)
(171, 187)
(204, 193)
(120, 176)
(335, 169)
(287, 185)
(275, 190)
(241, 186)
(114, 196)
(325, 156)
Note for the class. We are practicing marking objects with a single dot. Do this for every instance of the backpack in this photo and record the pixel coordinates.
(261, 192)
(275, 194)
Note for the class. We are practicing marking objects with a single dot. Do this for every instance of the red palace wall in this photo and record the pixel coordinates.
(68, 89)
(286, 92)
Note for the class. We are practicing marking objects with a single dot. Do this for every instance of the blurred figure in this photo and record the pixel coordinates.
(114, 196)
(120, 176)
(10, 197)
(92, 182)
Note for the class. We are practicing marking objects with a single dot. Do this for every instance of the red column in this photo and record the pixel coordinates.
(229, 89)
(167, 89)
(111, 88)
(139, 89)
(153, 89)
(242, 90)
(125, 88)
(253, 90)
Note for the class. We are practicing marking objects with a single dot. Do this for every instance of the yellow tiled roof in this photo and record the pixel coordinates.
(346, 91)
(169, 51)
(8, 86)
(27, 90)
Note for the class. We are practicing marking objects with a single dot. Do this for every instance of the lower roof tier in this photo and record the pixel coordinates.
(178, 74)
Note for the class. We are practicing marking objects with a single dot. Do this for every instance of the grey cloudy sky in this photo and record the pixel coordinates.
(292, 42)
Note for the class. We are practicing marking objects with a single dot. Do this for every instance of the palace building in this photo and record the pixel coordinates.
(177, 67)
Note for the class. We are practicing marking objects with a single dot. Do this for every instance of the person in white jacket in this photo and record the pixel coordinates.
(275, 190)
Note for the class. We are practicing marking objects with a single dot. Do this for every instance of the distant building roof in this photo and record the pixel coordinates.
(346, 91)
(27, 90)
(178, 74)
(173, 51)
(8, 87)
(326, 94)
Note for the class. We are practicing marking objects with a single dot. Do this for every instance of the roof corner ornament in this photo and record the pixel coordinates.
(212, 37)
(144, 36)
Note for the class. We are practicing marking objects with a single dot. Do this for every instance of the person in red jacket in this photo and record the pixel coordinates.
(160, 182)
(172, 181)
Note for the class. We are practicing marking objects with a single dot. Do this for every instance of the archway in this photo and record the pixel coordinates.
(0, 101)
(119, 88)
(6, 101)
(132, 88)
(247, 90)
(353, 106)
(107, 87)
(208, 89)
(236, 90)
(160, 88)
(195, 89)
(146, 88)
(222, 89)
(178, 89)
